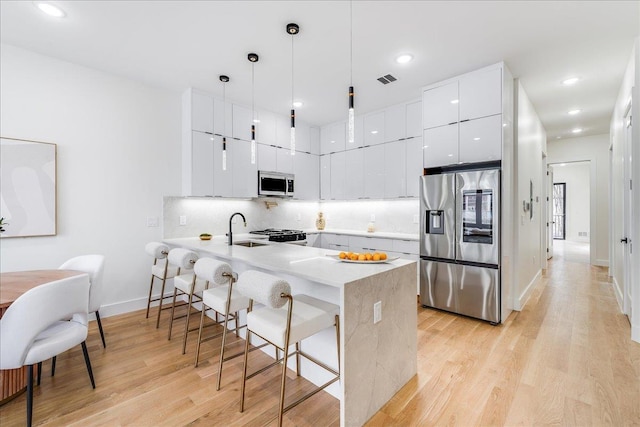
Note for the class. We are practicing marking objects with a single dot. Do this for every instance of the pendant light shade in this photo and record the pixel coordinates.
(292, 29)
(253, 58)
(224, 79)
(351, 116)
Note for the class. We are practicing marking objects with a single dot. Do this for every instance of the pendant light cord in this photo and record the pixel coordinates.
(292, 71)
(351, 39)
(253, 94)
(224, 109)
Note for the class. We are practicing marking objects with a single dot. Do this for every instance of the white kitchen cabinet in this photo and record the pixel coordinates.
(307, 176)
(284, 160)
(358, 134)
(201, 112)
(314, 140)
(332, 138)
(440, 105)
(266, 128)
(480, 140)
(283, 131)
(222, 117)
(395, 177)
(414, 166)
(303, 141)
(374, 171)
(313, 240)
(222, 179)
(374, 128)
(266, 158)
(414, 119)
(480, 93)
(325, 177)
(242, 120)
(440, 146)
(395, 123)
(409, 247)
(201, 164)
(244, 174)
(338, 173)
(354, 174)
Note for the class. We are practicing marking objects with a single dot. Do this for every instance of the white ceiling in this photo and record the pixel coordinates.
(181, 44)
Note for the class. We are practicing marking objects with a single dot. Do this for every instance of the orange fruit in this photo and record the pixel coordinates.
(361, 257)
(342, 255)
(376, 257)
(368, 256)
(353, 257)
(383, 256)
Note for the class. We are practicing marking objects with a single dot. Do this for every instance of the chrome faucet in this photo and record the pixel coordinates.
(230, 230)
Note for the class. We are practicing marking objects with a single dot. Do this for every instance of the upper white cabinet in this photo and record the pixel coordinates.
(414, 119)
(374, 171)
(222, 117)
(306, 170)
(338, 173)
(332, 138)
(374, 128)
(222, 178)
(395, 123)
(303, 137)
(440, 105)
(201, 164)
(354, 174)
(284, 160)
(440, 146)
(358, 134)
(480, 94)
(266, 128)
(395, 179)
(414, 166)
(244, 175)
(480, 140)
(283, 131)
(314, 140)
(201, 112)
(325, 177)
(242, 121)
(266, 157)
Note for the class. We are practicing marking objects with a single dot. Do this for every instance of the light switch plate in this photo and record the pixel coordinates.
(183, 220)
(377, 312)
(373, 218)
(152, 221)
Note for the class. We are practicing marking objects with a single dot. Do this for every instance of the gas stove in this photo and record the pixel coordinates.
(276, 235)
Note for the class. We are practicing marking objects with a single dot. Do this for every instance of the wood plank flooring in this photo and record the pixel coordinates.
(566, 359)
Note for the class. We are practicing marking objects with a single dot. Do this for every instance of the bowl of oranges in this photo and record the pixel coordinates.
(363, 257)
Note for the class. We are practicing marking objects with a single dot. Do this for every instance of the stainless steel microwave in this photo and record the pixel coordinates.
(275, 184)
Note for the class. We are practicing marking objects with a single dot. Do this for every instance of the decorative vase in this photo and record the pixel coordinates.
(320, 222)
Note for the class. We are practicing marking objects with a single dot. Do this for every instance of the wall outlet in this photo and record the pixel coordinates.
(377, 312)
(372, 218)
(415, 218)
(183, 220)
(152, 221)
(298, 217)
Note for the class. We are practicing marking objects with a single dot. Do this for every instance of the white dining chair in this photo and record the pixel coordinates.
(285, 319)
(94, 266)
(42, 323)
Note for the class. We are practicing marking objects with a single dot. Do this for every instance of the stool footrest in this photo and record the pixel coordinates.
(306, 396)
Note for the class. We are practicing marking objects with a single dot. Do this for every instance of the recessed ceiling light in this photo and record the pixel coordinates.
(576, 130)
(574, 112)
(297, 104)
(404, 58)
(455, 101)
(50, 9)
(570, 81)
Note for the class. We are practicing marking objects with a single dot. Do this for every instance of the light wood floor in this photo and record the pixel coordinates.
(566, 359)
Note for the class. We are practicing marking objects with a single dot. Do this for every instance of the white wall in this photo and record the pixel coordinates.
(594, 149)
(628, 88)
(576, 176)
(529, 144)
(118, 154)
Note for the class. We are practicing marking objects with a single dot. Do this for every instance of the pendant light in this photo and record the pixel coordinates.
(351, 116)
(292, 29)
(253, 58)
(224, 79)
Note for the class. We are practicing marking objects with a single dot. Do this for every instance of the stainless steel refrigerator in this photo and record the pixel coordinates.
(460, 241)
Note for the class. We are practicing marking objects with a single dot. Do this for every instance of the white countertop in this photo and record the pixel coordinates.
(380, 234)
(301, 261)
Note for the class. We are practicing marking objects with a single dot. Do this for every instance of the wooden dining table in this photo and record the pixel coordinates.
(12, 286)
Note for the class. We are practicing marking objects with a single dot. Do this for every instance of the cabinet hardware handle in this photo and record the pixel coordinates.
(625, 240)
(465, 120)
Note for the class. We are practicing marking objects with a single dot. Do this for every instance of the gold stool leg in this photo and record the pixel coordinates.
(338, 340)
(244, 370)
(224, 341)
(204, 308)
(186, 325)
(164, 281)
(173, 308)
(149, 299)
(298, 359)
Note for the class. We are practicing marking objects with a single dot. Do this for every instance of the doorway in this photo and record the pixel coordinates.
(571, 211)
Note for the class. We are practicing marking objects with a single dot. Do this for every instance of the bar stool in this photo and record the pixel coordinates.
(281, 324)
(184, 284)
(162, 270)
(224, 300)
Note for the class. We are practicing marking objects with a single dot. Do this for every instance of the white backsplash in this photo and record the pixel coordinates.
(209, 215)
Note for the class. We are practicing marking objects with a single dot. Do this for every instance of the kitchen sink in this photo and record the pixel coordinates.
(250, 244)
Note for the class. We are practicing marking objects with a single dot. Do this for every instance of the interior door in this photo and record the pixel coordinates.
(628, 216)
(549, 212)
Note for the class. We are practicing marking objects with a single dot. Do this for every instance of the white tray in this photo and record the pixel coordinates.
(389, 259)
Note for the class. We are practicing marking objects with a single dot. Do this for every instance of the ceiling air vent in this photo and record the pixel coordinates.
(387, 79)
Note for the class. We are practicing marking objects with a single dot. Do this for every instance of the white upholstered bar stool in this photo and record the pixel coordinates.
(185, 283)
(224, 300)
(285, 320)
(161, 270)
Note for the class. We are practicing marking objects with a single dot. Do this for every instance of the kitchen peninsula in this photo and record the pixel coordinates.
(376, 359)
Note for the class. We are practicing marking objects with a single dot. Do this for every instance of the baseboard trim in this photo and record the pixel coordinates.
(601, 262)
(524, 297)
(127, 306)
(635, 333)
(618, 293)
